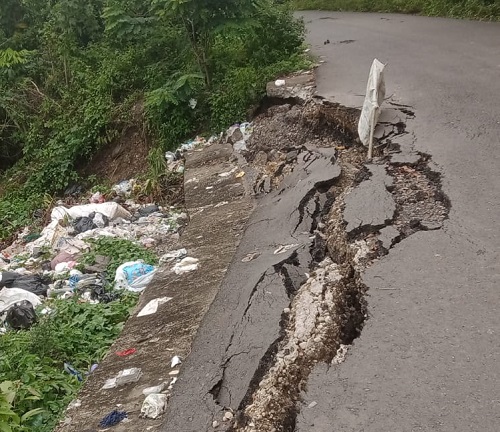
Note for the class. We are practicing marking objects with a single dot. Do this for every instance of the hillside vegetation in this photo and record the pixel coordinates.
(472, 9)
(76, 74)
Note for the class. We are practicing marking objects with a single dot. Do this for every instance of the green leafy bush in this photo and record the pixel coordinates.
(70, 70)
(33, 361)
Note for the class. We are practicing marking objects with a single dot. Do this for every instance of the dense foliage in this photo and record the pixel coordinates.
(75, 74)
(472, 9)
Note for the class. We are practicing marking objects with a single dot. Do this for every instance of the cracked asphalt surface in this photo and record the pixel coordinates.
(428, 358)
(243, 323)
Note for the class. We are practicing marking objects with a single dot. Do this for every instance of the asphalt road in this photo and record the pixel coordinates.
(428, 358)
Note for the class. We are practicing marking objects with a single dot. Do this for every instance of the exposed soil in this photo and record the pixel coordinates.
(286, 127)
(420, 204)
(125, 157)
(122, 159)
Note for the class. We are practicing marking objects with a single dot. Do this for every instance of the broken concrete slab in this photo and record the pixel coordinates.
(405, 158)
(387, 236)
(295, 87)
(370, 203)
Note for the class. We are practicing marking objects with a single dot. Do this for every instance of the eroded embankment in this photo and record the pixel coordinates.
(354, 219)
(293, 295)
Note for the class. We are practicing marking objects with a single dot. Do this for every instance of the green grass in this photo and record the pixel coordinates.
(471, 9)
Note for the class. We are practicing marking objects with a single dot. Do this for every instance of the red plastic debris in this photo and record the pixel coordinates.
(126, 352)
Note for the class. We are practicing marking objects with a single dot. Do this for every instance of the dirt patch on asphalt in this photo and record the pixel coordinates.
(420, 203)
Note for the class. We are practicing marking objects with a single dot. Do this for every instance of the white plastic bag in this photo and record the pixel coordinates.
(375, 94)
(11, 296)
(187, 264)
(110, 209)
(152, 306)
(124, 188)
(154, 405)
(125, 376)
(49, 236)
(173, 255)
(134, 276)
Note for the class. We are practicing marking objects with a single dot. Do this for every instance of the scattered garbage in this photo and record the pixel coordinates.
(72, 371)
(98, 293)
(186, 265)
(21, 316)
(146, 211)
(113, 418)
(170, 157)
(172, 382)
(154, 405)
(279, 82)
(126, 352)
(134, 276)
(124, 188)
(64, 267)
(110, 209)
(238, 136)
(172, 256)
(155, 389)
(61, 257)
(174, 159)
(10, 296)
(152, 306)
(176, 360)
(97, 198)
(35, 284)
(49, 263)
(124, 377)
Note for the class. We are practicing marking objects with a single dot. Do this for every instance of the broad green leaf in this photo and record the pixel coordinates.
(31, 413)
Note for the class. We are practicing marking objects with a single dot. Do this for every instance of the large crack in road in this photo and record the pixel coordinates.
(293, 295)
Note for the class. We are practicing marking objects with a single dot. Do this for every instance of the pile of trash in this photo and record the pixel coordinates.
(175, 160)
(49, 265)
(238, 135)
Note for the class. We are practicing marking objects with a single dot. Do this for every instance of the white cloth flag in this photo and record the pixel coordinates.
(375, 94)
